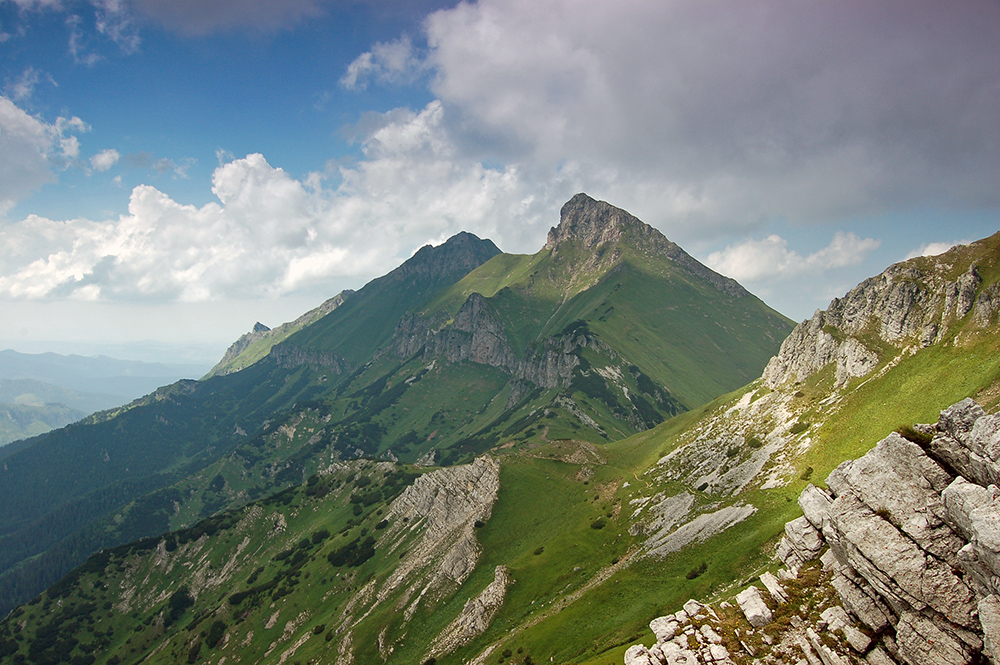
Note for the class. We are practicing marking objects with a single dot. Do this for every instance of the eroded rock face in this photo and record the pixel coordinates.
(910, 556)
(475, 617)
(908, 304)
(477, 334)
(443, 507)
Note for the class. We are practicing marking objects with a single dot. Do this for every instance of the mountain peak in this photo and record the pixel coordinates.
(589, 223)
(592, 223)
(462, 252)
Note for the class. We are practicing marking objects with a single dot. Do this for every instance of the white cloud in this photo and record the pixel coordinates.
(23, 87)
(104, 160)
(270, 234)
(724, 116)
(389, 62)
(770, 258)
(31, 149)
(935, 248)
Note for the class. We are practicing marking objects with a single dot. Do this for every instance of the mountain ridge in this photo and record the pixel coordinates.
(554, 352)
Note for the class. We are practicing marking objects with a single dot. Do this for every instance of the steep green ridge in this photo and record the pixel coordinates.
(58, 513)
(366, 321)
(636, 291)
(609, 330)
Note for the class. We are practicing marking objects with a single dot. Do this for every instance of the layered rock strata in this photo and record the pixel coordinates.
(908, 537)
(911, 304)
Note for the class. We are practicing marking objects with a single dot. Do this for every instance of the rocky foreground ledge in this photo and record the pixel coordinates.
(898, 561)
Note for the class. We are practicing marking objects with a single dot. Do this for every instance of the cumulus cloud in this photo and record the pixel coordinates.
(392, 62)
(104, 160)
(935, 248)
(32, 149)
(270, 234)
(159, 165)
(731, 114)
(770, 258)
(23, 87)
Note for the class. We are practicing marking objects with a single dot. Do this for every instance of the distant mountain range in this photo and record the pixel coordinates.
(40, 392)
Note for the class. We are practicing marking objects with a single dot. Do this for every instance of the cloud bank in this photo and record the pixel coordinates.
(32, 150)
(770, 258)
(707, 119)
(270, 234)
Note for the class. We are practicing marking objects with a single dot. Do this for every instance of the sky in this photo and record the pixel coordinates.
(172, 171)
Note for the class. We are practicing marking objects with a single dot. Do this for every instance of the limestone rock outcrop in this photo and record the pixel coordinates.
(475, 617)
(443, 507)
(898, 562)
(913, 544)
(911, 304)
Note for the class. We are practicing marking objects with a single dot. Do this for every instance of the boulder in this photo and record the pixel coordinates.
(837, 620)
(975, 511)
(989, 619)
(861, 601)
(753, 607)
(815, 505)
(958, 419)
(774, 588)
(664, 628)
(639, 655)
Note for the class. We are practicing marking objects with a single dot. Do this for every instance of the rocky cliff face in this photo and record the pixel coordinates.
(595, 225)
(288, 356)
(477, 334)
(911, 305)
(908, 542)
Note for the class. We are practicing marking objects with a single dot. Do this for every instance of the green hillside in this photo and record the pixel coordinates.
(606, 332)
(348, 565)
(232, 587)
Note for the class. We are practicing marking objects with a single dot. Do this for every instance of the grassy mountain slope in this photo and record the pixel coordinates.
(58, 513)
(19, 421)
(365, 322)
(607, 331)
(591, 536)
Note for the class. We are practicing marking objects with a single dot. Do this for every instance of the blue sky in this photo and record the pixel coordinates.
(172, 171)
